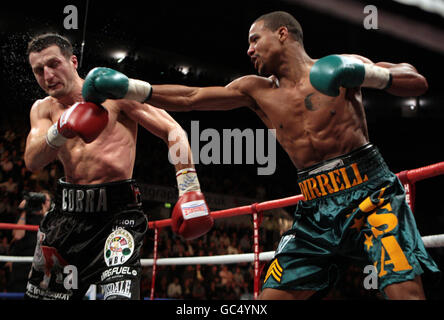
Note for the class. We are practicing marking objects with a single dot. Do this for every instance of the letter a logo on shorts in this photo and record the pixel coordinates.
(119, 247)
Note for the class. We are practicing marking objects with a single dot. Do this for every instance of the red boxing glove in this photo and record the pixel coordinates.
(84, 119)
(191, 216)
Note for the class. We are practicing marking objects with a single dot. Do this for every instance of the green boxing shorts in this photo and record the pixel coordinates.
(354, 211)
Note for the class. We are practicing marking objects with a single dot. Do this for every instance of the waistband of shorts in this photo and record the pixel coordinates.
(341, 173)
(107, 197)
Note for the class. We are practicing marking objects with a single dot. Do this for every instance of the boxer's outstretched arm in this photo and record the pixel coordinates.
(37, 152)
(105, 83)
(182, 98)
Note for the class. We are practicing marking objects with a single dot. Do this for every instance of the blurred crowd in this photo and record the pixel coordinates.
(202, 282)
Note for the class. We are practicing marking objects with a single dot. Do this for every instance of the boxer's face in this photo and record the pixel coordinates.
(53, 71)
(264, 48)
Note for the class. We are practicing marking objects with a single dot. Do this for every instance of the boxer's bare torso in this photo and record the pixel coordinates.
(311, 127)
(108, 158)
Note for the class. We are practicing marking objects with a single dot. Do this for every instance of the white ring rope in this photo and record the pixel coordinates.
(434, 241)
(223, 259)
(15, 259)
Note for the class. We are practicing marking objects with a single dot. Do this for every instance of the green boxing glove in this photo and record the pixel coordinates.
(330, 73)
(105, 83)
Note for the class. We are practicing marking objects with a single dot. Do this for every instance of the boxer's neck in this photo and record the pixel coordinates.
(75, 94)
(294, 66)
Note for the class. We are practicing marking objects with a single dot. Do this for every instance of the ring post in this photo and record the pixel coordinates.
(153, 278)
(257, 220)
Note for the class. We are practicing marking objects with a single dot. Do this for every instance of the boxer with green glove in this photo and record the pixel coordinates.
(350, 194)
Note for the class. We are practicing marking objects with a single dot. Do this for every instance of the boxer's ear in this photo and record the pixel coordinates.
(282, 33)
(74, 61)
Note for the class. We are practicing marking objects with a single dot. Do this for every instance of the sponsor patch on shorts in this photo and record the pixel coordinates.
(120, 288)
(119, 247)
(117, 272)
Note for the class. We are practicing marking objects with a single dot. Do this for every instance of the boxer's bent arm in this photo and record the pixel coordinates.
(183, 98)
(179, 147)
(406, 81)
(37, 152)
(161, 124)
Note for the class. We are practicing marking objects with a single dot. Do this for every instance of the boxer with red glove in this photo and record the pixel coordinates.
(84, 119)
(191, 216)
(97, 194)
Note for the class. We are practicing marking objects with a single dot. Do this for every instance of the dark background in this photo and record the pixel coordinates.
(211, 38)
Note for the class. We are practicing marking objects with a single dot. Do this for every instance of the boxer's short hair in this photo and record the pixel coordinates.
(43, 41)
(277, 19)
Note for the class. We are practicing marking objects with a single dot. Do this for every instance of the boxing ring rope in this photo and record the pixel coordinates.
(407, 177)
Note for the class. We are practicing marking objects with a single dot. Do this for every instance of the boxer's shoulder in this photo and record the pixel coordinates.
(43, 108)
(44, 102)
(115, 105)
(356, 56)
(251, 83)
(121, 109)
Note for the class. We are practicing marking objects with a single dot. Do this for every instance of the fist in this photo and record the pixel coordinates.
(104, 83)
(332, 72)
(191, 216)
(84, 119)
